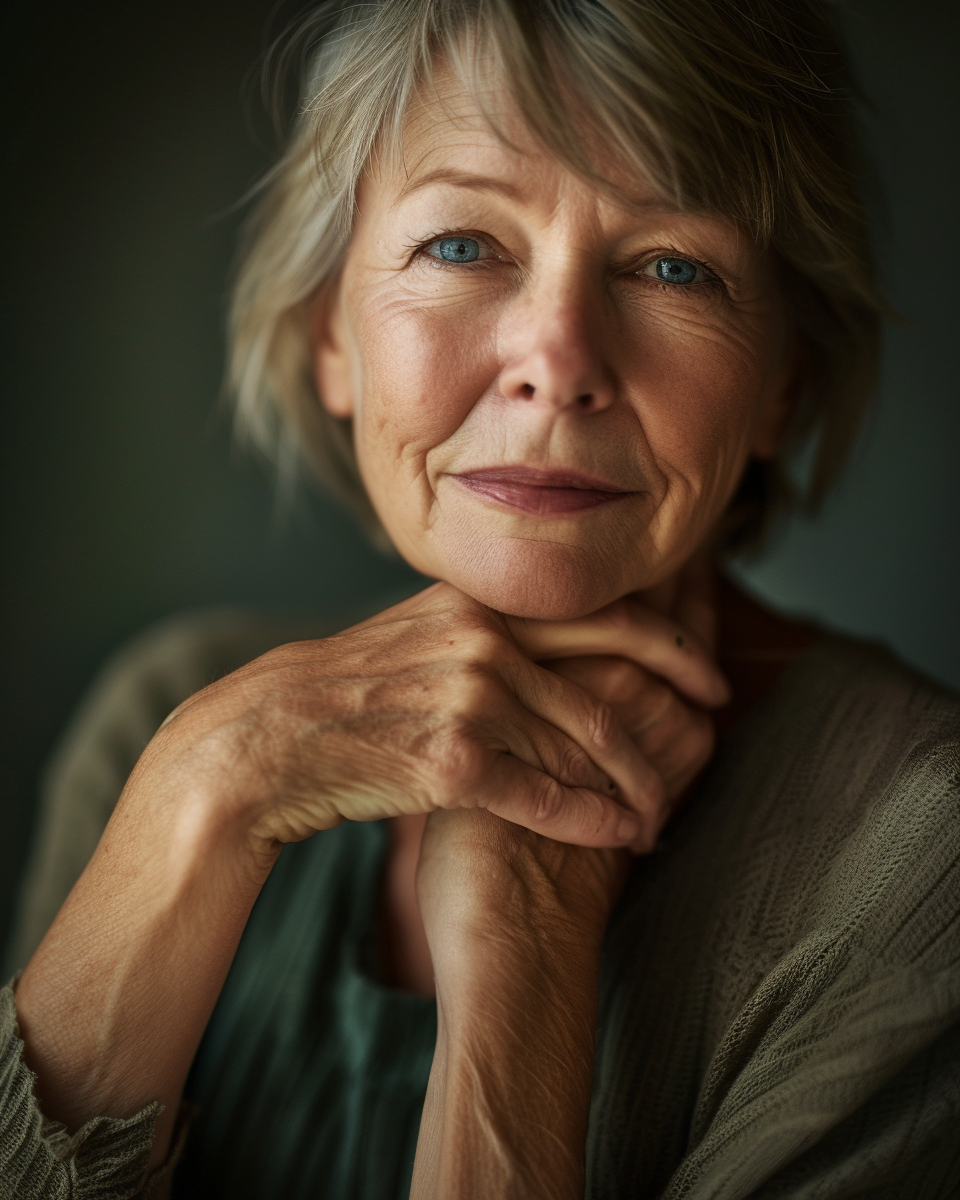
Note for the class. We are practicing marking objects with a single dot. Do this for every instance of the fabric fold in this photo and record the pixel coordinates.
(105, 1159)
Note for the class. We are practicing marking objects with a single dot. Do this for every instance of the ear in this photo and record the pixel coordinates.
(332, 361)
(780, 404)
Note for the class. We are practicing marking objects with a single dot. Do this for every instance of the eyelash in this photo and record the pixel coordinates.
(713, 281)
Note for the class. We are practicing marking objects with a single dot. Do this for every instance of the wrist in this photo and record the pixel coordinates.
(498, 960)
(225, 775)
(198, 809)
(508, 1102)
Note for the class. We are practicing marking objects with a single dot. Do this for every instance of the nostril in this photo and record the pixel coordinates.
(585, 400)
(526, 391)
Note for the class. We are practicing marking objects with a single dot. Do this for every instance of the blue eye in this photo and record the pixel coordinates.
(676, 270)
(455, 249)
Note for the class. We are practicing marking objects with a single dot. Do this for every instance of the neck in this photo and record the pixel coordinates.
(755, 645)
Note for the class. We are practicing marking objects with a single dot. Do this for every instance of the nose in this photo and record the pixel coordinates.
(553, 357)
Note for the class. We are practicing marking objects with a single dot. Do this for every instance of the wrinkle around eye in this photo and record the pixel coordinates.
(691, 302)
(704, 328)
(431, 289)
(492, 271)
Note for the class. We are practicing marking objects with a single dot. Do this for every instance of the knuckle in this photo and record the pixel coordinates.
(668, 713)
(479, 643)
(574, 768)
(549, 801)
(456, 762)
(603, 728)
(625, 682)
(683, 740)
(457, 617)
(656, 703)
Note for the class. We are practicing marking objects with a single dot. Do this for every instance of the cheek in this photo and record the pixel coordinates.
(422, 367)
(697, 384)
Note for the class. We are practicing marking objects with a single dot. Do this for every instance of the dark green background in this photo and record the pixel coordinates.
(128, 139)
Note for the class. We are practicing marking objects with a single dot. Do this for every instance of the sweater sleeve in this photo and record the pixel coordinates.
(105, 1159)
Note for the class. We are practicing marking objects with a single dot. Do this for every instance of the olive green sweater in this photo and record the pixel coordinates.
(780, 997)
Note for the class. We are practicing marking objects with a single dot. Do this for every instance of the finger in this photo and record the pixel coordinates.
(632, 691)
(528, 797)
(675, 738)
(545, 747)
(592, 725)
(631, 630)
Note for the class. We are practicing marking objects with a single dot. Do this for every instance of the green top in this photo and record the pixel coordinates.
(780, 998)
(311, 1076)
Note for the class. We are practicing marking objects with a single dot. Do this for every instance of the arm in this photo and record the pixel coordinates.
(506, 1116)
(122, 710)
(427, 706)
(114, 1002)
(517, 961)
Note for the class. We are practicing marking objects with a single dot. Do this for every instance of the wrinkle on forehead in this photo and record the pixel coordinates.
(450, 124)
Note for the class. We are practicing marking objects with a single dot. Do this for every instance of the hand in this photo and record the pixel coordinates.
(483, 881)
(578, 885)
(470, 866)
(676, 737)
(474, 870)
(434, 704)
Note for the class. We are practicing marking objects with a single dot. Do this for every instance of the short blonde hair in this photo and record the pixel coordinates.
(735, 107)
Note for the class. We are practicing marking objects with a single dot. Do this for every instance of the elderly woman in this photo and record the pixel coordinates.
(547, 289)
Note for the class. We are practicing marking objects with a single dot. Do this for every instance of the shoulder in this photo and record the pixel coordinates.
(846, 787)
(867, 683)
(122, 709)
(794, 948)
(849, 728)
(839, 1016)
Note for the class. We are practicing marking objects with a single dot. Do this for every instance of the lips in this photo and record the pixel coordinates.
(544, 493)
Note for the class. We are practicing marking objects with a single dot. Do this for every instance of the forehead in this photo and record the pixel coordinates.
(478, 138)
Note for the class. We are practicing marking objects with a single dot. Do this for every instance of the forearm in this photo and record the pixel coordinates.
(114, 1002)
(509, 1093)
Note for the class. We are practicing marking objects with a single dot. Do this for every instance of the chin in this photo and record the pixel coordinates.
(538, 579)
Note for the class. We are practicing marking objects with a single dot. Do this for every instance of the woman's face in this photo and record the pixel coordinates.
(554, 394)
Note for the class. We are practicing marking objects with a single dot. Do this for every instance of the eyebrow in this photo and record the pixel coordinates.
(462, 179)
(501, 187)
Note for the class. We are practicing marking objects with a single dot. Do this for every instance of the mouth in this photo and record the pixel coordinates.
(545, 493)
